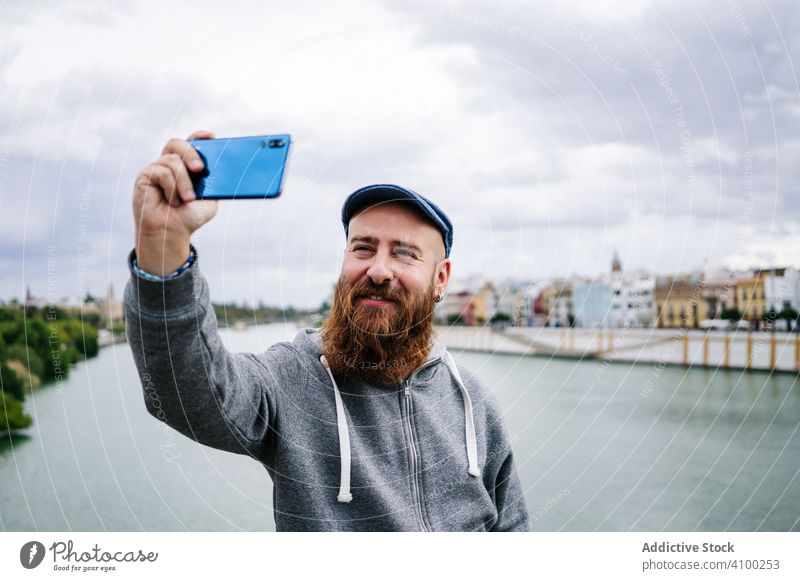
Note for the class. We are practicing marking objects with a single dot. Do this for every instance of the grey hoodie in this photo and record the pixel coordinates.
(432, 453)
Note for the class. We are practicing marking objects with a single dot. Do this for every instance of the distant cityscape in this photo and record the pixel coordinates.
(758, 299)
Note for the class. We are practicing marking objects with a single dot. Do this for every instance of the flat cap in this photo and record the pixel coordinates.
(377, 193)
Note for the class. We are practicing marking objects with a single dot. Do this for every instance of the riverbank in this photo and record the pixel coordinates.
(736, 350)
(37, 345)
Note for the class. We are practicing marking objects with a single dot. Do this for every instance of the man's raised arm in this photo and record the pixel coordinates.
(190, 380)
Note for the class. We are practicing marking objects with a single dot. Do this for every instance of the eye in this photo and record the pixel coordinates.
(405, 256)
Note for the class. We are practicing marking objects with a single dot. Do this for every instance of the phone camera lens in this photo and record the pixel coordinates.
(276, 143)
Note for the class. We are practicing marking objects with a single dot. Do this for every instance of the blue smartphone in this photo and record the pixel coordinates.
(241, 167)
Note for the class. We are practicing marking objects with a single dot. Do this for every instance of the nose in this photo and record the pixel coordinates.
(380, 269)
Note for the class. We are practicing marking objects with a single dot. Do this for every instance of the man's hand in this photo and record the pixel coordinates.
(165, 210)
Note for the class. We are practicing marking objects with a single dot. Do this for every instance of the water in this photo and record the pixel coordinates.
(599, 447)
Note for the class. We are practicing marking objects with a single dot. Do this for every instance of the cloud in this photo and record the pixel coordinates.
(658, 129)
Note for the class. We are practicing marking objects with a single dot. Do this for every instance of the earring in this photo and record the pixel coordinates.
(439, 298)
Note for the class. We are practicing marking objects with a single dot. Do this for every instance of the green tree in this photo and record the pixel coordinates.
(769, 318)
(9, 313)
(12, 414)
(81, 337)
(93, 319)
(500, 319)
(454, 320)
(10, 383)
(731, 314)
(788, 314)
(28, 357)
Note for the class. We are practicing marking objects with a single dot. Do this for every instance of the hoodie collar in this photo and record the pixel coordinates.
(342, 425)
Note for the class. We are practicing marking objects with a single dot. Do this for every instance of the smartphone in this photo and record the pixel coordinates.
(241, 167)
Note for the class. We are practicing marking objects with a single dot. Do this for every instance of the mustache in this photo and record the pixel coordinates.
(367, 288)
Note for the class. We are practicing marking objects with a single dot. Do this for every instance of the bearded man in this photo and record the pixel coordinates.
(367, 424)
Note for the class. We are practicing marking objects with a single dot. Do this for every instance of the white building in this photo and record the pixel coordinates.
(633, 303)
(781, 289)
(615, 300)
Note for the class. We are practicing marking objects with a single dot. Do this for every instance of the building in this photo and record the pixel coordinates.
(718, 293)
(484, 303)
(616, 300)
(679, 301)
(591, 301)
(616, 264)
(531, 306)
(782, 289)
(458, 306)
(559, 312)
(512, 302)
(749, 296)
(633, 304)
(111, 309)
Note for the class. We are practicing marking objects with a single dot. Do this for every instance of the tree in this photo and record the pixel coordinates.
(10, 383)
(9, 313)
(789, 314)
(454, 320)
(12, 414)
(28, 357)
(769, 318)
(731, 314)
(500, 319)
(84, 338)
(93, 319)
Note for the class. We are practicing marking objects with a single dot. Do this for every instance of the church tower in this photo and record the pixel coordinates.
(616, 265)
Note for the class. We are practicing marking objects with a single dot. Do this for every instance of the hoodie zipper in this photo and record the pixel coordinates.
(415, 480)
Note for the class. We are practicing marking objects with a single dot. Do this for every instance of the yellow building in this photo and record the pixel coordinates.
(680, 301)
(484, 304)
(557, 305)
(547, 300)
(750, 299)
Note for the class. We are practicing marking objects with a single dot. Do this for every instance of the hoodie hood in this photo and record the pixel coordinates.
(312, 340)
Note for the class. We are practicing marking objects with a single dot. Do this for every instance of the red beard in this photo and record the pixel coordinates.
(380, 344)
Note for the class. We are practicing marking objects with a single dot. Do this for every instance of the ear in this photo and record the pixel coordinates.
(441, 276)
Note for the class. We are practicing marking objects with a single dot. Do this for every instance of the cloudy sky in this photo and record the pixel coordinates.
(553, 133)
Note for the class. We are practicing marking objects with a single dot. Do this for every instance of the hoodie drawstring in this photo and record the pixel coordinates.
(469, 419)
(344, 434)
(344, 439)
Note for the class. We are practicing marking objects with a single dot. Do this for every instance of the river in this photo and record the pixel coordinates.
(600, 446)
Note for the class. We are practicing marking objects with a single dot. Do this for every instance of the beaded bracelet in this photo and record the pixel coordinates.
(154, 277)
